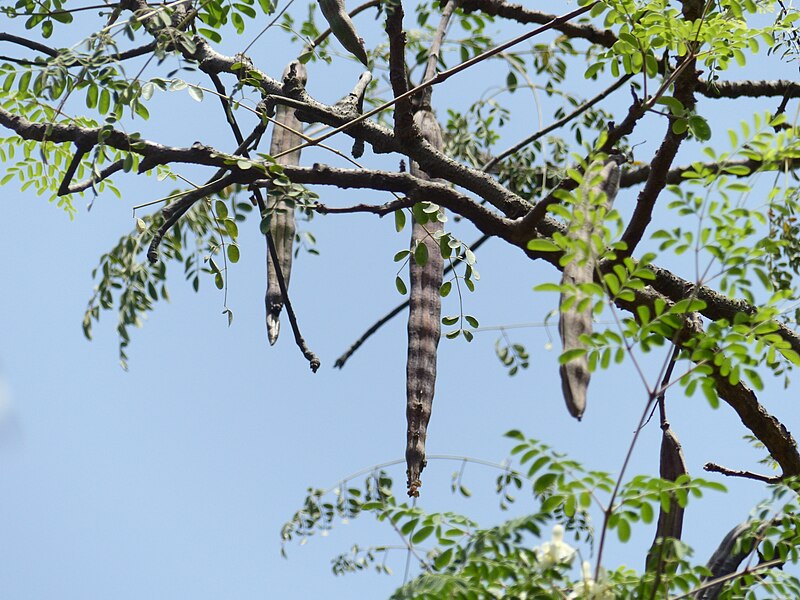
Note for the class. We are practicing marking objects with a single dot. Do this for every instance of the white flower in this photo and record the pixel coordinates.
(588, 589)
(556, 551)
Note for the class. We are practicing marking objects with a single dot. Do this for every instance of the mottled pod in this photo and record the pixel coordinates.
(342, 27)
(424, 321)
(282, 223)
(672, 465)
(598, 190)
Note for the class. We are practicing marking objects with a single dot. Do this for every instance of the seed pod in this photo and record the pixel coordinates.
(577, 320)
(735, 547)
(342, 27)
(670, 522)
(282, 223)
(424, 322)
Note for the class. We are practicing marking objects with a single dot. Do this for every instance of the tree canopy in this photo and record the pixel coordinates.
(699, 271)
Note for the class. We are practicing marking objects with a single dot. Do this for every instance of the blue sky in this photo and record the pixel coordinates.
(173, 479)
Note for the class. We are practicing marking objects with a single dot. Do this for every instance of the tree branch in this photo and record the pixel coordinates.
(557, 124)
(418, 189)
(748, 89)
(715, 468)
(517, 12)
(30, 44)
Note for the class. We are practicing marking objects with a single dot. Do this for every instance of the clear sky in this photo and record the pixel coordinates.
(172, 480)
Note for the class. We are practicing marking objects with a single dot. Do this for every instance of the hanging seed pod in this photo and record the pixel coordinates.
(670, 522)
(576, 320)
(735, 547)
(424, 319)
(342, 27)
(282, 223)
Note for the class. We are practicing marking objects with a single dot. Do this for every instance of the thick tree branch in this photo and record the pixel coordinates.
(418, 189)
(769, 430)
(404, 128)
(748, 89)
(153, 153)
(517, 12)
(30, 44)
(105, 173)
(685, 82)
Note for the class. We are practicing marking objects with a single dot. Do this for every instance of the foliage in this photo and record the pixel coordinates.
(706, 261)
(458, 558)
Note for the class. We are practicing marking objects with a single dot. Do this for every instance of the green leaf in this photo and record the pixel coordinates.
(210, 34)
(674, 105)
(91, 95)
(421, 535)
(447, 286)
(232, 228)
(104, 102)
(221, 209)
(233, 253)
(196, 93)
(646, 512)
(441, 561)
(543, 245)
(400, 285)
(421, 254)
(569, 506)
(544, 482)
(547, 287)
(570, 355)
(267, 6)
(623, 530)
(699, 128)
(472, 321)
(399, 220)
(680, 126)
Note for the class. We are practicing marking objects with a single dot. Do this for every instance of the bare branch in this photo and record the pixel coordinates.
(30, 44)
(340, 362)
(313, 361)
(557, 124)
(715, 468)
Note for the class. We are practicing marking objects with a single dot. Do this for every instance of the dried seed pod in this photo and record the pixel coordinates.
(736, 546)
(342, 27)
(282, 223)
(672, 465)
(599, 188)
(424, 322)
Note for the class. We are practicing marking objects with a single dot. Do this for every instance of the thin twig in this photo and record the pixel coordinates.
(715, 468)
(393, 313)
(313, 361)
(557, 124)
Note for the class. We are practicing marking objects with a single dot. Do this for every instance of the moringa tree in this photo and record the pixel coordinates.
(726, 316)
